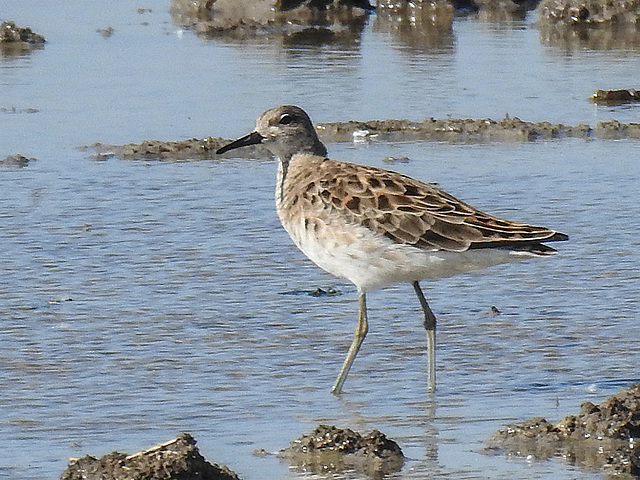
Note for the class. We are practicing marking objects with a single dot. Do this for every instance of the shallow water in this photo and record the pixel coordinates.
(141, 299)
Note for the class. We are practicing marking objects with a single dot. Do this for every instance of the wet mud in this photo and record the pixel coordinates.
(16, 161)
(600, 437)
(176, 459)
(15, 110)
(331, 449)
(449, 130)
(509, 129)
(326, 449)
(615, 97)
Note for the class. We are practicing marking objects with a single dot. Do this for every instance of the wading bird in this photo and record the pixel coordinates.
(377, 228)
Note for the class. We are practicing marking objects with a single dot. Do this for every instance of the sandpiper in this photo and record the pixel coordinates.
(377, 228)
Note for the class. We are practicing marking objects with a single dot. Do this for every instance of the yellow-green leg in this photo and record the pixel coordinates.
(361, 331)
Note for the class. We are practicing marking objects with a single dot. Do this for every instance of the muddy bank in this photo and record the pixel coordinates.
(176, 459)
(331, 449)
(190, 149)
(599, 437)
(432, 130)
(451, 130)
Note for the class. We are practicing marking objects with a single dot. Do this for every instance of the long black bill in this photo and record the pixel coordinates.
(252, 139)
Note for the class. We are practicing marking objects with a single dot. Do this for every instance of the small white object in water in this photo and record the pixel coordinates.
(361, 136)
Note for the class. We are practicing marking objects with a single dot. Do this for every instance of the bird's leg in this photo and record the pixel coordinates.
(430, 327)
(361, 331)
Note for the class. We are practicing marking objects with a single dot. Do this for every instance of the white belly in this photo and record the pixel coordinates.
(372, 261)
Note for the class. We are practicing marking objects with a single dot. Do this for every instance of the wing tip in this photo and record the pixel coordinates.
(557, 237)
(533, 247)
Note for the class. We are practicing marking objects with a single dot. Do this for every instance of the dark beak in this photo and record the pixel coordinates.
(252, 139)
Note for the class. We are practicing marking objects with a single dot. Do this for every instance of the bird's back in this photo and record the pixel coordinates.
(348, 217)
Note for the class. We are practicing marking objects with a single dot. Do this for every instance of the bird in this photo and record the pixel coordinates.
(376, 228)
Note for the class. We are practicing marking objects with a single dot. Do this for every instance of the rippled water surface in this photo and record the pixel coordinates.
(142, 299)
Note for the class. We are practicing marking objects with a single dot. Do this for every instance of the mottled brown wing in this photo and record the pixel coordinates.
(412, 212)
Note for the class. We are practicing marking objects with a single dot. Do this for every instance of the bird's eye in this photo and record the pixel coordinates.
(286, 119)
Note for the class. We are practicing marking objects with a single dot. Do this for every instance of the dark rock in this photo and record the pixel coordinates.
(178, 459)
(335, 449)
(599, 436)
(324, 292)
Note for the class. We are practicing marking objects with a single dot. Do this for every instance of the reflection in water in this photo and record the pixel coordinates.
(347, 36)
(420, 26)
(419, 435)
(578, 37)
(594, 25)
(429, 437)
(9, 51)
(310, 38)
(504, 11)
(266, 20)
